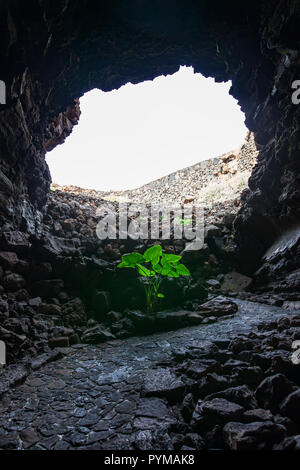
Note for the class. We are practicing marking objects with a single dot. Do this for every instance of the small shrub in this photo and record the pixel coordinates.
(153, 266)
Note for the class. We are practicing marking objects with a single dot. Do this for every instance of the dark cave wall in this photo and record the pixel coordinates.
(54, 51)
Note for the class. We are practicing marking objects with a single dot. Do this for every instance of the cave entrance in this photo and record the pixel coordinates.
(130, 137)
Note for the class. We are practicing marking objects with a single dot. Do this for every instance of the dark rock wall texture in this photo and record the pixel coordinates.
(54, 51)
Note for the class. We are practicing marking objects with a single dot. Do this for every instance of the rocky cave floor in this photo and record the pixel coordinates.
(230, 385)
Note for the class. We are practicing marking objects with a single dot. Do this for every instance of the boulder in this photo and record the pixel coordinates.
(272, 390)
(258, 414)
(173, 320)
(35, 302)
(50, 309)
(73, 312)
(216, 411)
(235, 282)
(13, 282)
(163, 383)
(212, 231)
(289, 443)
(59, 342)
(16, 241)
(291, 406)
(8, 259)
(218, 306)
(241, 395)
(97, 334)
(253, 436)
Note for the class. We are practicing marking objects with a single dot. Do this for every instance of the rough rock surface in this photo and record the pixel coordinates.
(53, 52)
(142, 393)
(219, 179)
(59, 285)
(49, 62)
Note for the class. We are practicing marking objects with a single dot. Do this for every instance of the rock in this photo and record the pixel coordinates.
(218, 306)
(49, 247)
(291, 305)
(214, 437)
(289, 443)
(187, 407)
(194, 441)
(143, 440)
(6, 185)
(241, 395)
(29, 437)
(253, 436)
(69, 224)
(212, 231)
(13, 282)
(272, 391)
(16, 241)
(179, 319)
(73, 312)
(50, 309)
(236, 282)
(224, 247)
(250, 375)
(97, 334)
(163, 383)
(61, 331)
(196, 291)
(211, 383)
(201, 346)
(191, 256)
(216, 411)
(228, 220)
(291, 406)
(153, 408)
(289, 425)
(213, 283)
(74, 339)
(257, 414)
(242, 345)
(35, 302)
(8, 259)
(59, 342)
(113, 252)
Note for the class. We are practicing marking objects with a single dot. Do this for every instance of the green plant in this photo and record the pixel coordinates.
(183, 221)
(158, 266)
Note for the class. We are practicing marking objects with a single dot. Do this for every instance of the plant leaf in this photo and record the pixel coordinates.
(170, 258)
(157, 268)
(153, 254)
(169, 271)
(160, 296)
(182, 270)
(131, 260)
(145, 271)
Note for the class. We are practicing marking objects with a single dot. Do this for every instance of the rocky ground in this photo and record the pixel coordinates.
(227, 386)
(58, 287)
(213, 182)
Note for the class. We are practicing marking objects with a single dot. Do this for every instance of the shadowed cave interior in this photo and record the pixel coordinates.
(86, 366)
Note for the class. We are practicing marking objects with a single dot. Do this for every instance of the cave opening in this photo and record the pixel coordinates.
(130, 137)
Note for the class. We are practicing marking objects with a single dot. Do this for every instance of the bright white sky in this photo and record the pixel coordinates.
(131, 136)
